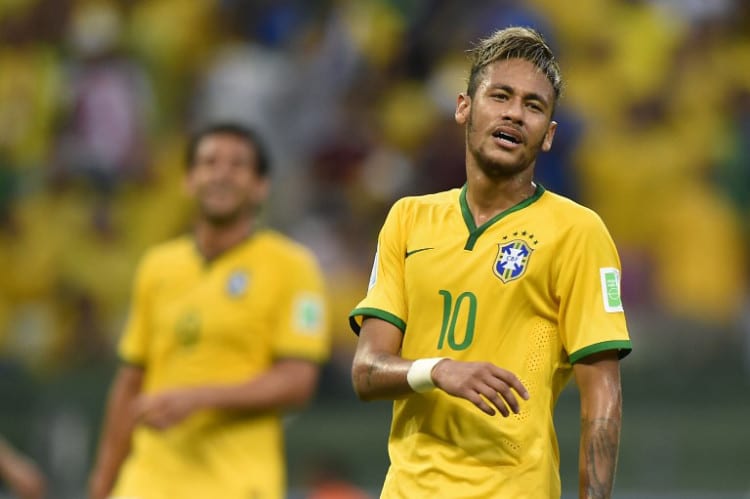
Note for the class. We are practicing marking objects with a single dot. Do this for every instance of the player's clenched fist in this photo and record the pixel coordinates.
(479, 382)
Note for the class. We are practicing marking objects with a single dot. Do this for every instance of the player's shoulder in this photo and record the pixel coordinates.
(170, 252)
(411, 204)
(434, 199)
(283, 247)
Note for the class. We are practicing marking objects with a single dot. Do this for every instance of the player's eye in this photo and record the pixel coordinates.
(535, 107)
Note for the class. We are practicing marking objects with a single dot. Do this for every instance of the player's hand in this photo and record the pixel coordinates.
(23, 477)
(166, 409)
(480, 382)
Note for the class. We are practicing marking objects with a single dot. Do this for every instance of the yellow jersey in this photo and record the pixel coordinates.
(225, 321)
(533, 290)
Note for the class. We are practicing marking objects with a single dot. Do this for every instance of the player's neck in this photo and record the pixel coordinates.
(488, 197)
(212, 239)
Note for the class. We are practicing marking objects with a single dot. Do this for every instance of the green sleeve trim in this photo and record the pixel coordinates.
(623, 346)
(374, 312)
(132, 363)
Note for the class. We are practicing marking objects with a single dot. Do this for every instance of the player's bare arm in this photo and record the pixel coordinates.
(379, 372)
(598, 379)
(118, 428)
(289, 384)
(20, 473)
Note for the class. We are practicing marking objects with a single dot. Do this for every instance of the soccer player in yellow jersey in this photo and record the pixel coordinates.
(227, 329)
(487, 299)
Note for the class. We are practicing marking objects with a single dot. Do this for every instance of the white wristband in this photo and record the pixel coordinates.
(419, 375)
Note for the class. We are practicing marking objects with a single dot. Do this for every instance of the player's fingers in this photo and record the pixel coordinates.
(154, 415)
(510, 398)
(478, 401)
(145, 405)
(163, 424)
(501, 389)
(149, 418)
(147, 421)
(138, 407)
(511, 380)
(158, 422)
(492, 395)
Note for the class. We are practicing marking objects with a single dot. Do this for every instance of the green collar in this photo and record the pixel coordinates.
(474, 231)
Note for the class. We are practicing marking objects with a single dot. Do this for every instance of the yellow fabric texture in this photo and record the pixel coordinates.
(469, 294)
(199, 323)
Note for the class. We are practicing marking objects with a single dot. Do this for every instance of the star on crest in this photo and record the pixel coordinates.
(523, 233)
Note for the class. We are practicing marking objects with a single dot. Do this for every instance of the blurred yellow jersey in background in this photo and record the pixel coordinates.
(225, 321)
(533, 290)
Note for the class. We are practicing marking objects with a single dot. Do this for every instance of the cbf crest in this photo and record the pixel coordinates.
(512, 259)
(237, 283)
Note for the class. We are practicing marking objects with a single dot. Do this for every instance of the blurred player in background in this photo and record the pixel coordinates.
(20, 474)
(227, 330)
(486, 299)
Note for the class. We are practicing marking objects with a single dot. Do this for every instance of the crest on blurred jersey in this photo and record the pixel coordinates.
(237, 283)
(512, 259)
(187, 328)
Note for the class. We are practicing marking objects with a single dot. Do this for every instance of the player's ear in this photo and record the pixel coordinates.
(549, 136)
(463, 108)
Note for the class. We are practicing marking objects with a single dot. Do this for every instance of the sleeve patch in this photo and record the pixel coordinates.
(308, 314)
(610, 277)
(374, 272)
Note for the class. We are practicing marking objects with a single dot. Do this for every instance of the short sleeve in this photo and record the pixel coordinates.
(591, 317)
(303, 323)
(386, 292)
(134, 343)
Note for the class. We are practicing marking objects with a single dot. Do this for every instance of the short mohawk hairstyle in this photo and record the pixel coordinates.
(514, 43)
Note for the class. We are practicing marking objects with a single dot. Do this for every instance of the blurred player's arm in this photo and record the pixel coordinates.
(114, 444)
(20, 473)
(598, 380)
(288, 384)
(379, 372)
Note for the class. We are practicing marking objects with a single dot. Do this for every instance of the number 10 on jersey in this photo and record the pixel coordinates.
(451, 311)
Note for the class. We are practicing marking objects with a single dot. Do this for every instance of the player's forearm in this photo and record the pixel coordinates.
(598, 379)
(110, 457)
(119, 422)
(287, 385)
(20, 474)
(379, 375)
(600, 441)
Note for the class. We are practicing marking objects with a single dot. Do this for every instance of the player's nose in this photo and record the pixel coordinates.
(513, 110)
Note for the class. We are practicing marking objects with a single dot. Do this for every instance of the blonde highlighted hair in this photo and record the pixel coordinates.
(514, 43)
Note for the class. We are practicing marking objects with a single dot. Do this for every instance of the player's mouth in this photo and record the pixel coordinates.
(507, 137)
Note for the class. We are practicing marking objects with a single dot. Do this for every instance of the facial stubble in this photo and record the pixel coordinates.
(495, 169)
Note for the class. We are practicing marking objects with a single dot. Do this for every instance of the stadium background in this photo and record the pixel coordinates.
(356, 99)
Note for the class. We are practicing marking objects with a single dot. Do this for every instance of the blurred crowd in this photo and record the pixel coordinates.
(356, 100)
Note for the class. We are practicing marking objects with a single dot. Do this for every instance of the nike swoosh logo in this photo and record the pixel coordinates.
(410, 253)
